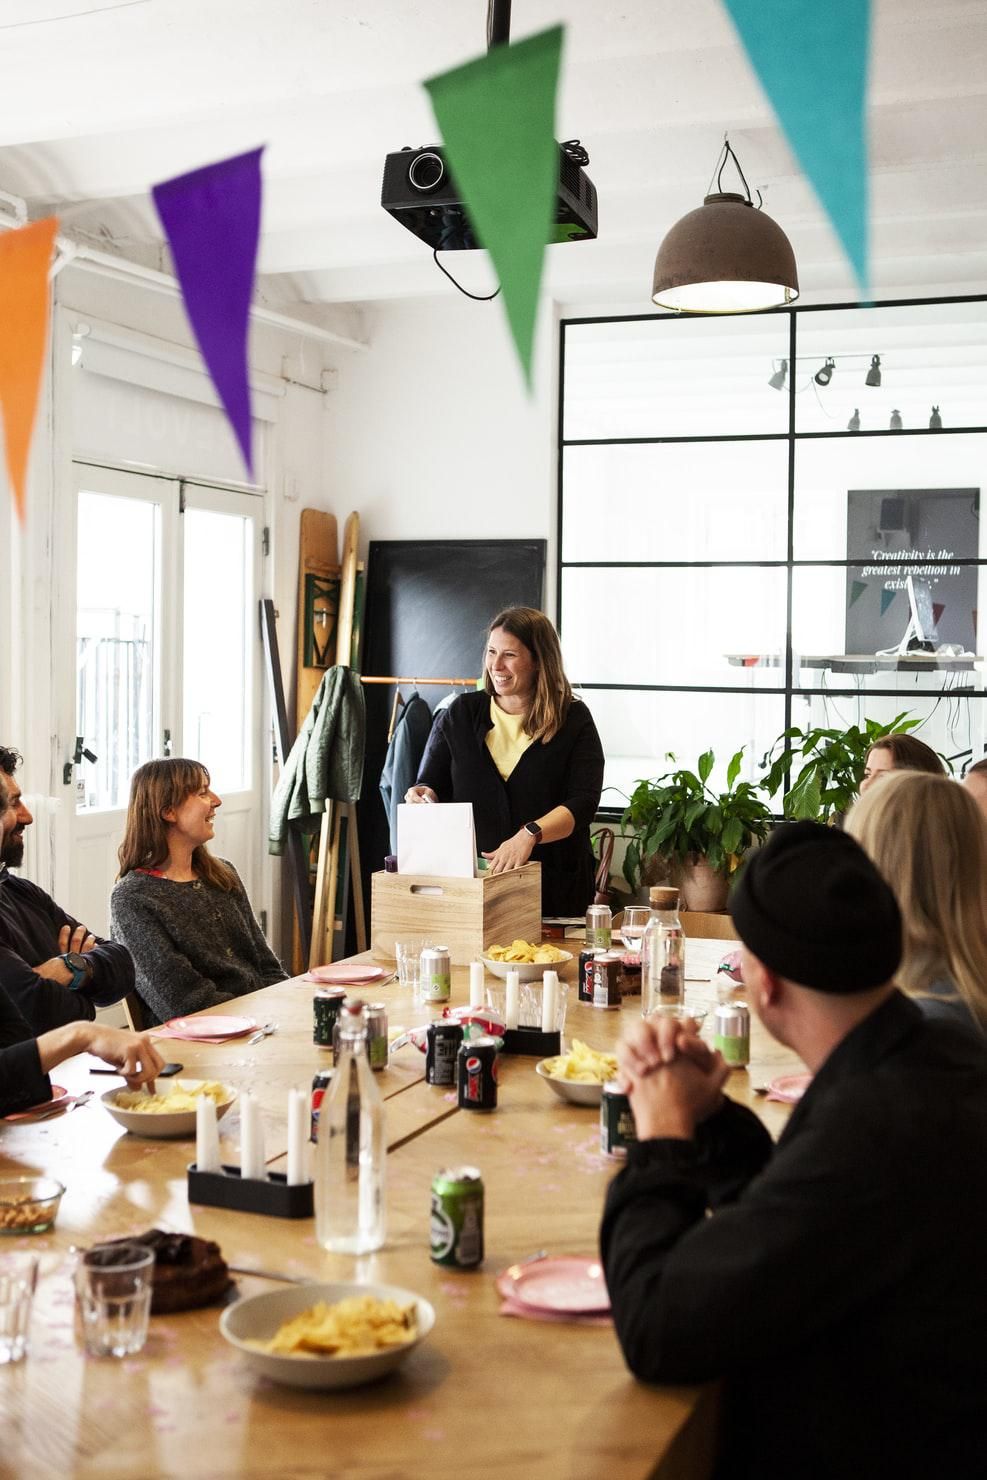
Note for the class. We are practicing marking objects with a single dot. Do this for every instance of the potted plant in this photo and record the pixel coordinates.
(832, 766)
(700, 834)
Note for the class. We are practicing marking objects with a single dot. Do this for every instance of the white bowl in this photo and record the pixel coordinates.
(162, 1126)
(258, 1318)
(575, 1091)
(528, 971)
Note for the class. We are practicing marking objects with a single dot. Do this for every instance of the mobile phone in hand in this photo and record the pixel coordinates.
(165, 1073)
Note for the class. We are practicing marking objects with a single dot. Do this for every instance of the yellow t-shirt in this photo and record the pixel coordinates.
(507, 741)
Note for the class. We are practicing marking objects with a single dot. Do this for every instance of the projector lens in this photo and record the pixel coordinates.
(426, 172)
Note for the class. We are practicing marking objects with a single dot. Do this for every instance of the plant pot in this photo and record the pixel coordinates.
(701, 887)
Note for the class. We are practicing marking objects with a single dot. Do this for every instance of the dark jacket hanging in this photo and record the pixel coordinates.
(404, 754)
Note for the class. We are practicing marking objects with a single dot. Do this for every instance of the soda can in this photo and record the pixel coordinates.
(604, 972)
(476, 1067)
(435, 977)
(585, 979)
(599, 927)
(444, 1040)
(617, 1129)
(456, 1223)
(319, 1086)
(732, 1033)
(325, 1011)
(377, 1035)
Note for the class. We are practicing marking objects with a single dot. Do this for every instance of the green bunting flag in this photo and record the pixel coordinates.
(812, 58)
(496, 116)
(857, 590)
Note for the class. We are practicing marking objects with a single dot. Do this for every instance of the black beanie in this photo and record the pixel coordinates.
(812, 907)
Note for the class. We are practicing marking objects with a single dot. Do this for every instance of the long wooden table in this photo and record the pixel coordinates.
(485, 1392)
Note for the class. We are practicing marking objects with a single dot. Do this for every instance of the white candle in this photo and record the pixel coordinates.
(549, 1001)
(476, 984)
(297, 1107)
(206, 1135)
(251, 1140)
(513, 995)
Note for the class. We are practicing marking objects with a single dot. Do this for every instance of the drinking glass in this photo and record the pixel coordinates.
(408, 953)
(113, 1284)
(632, 927)
(18, 1278)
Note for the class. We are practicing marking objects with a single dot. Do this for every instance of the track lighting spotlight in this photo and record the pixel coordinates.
(777, 381)
(825, 374)
(853, 425)
(874, 373)
(935, 420)
(896, 422)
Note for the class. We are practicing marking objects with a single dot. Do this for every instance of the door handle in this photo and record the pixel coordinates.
(81, 752)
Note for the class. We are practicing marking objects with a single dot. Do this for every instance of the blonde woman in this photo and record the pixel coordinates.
(183, 915)
(525, 751)
(927, 837)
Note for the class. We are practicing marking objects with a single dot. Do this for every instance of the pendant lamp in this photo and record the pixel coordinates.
(726, 257)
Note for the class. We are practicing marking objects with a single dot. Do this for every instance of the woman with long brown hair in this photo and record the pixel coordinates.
(183, 914)
(525, 751)
(927, 837)
(900, 753)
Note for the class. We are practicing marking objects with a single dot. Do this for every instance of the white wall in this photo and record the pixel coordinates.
(433, 434)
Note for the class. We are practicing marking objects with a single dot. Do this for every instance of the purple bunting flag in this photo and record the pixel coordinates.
(211, 217)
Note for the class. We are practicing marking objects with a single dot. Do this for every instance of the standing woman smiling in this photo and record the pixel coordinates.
(525, 751)
(183, 914)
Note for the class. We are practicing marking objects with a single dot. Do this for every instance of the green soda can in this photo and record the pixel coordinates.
(456, 1226)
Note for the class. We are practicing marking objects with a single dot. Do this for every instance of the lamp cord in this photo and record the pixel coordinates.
(725, 154)
(477, 297)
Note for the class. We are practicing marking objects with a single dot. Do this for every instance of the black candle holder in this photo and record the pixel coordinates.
(271, 1195)
(532, 1042)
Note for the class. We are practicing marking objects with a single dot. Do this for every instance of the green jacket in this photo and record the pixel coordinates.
(326, 760)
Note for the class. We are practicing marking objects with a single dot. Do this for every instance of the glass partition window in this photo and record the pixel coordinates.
(772, 520)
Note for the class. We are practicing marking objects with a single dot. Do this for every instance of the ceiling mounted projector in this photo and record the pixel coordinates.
(419, 191)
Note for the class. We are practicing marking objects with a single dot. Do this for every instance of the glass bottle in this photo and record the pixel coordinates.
(662, 954)
(350, 1155)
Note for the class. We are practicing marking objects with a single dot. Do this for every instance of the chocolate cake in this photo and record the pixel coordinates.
(188, 1271)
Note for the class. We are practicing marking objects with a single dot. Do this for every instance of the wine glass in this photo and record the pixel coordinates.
(633, 925)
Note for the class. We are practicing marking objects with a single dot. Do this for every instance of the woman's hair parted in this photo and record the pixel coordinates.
(155, 788)
(911, 754)
(928, 838)
(553, 693)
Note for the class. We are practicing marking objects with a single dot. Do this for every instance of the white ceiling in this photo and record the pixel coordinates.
(101, 98)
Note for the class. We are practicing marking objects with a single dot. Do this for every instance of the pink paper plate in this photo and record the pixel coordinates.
(58, 1094)
(339, 974)
(211, 1027)
(567, 1282)
(789, 1088)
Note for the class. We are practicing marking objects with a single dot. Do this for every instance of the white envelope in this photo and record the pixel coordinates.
(437, 838)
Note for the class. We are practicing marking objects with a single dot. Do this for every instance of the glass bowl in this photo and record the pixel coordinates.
(529, 1003)
(28, 1204)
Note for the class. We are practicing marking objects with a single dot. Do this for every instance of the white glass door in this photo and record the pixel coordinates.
(167, 661)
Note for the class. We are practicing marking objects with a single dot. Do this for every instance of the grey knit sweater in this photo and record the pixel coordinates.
(194, 945)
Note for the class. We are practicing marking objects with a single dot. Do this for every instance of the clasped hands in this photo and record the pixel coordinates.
(674, 1080)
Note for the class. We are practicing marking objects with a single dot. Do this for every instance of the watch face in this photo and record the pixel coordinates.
(75, 961)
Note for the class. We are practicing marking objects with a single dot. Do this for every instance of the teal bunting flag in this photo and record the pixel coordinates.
(886, 599)
(812, 58)
(857, 590)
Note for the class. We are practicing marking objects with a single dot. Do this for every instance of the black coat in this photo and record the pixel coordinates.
(22, 1082)
(843, 1293)
(565, 772)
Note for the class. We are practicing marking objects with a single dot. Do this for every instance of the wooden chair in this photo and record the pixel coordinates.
(134, 1009)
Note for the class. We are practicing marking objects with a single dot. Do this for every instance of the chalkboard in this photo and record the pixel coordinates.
(429, 604)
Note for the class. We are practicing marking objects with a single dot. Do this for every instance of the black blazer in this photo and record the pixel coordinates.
(565, 772)
(22, 1081)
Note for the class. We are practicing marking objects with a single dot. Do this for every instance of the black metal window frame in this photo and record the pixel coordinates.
(790, 564)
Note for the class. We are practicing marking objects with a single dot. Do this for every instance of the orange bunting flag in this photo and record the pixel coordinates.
(25, 256)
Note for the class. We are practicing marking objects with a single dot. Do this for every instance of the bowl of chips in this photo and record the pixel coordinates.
(327, 1336)
(579, 1075)
(169, 1113)
(527, 958)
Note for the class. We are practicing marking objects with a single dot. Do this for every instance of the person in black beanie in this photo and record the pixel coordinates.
(838, 1287)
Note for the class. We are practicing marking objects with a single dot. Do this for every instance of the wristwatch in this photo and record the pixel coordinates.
(80, 967)
(534, 830)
